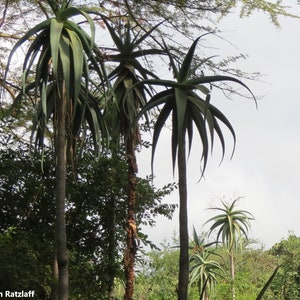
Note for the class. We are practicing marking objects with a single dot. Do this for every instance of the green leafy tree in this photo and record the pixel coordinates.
(286, 283)
(157, 278)
(26, 208)
(23, 262)
(232, 226)
(187, 109)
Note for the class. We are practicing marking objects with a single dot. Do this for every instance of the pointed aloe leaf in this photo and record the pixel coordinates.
(219, 115)
(220, 136)
(216, 78)
(128, 43)
(44, 99)
(168, 83)
(159, 124)
(65, 60)
(190, 131)
(32, 52)
(174, 138)
(118, 42)
(267, 284)
(142, 53)
(181, 107)
(156, 101)
(86, 44)
(201, 128)
(196, 238)
(184, 71)
(43, 64)
(148, 33)
(172, 62)
(25, 38)
(55, 36)
(77, 56)
(73, 11)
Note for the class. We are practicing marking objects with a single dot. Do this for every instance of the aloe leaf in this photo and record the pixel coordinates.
(266, 286)
(25, 38)
(216, 78)
(65, 60)
(55, 37)
(184, 71)
(159, 125)
(181, 106)
(77, 56)
(148, 33)
(73, 11)
(118, 42)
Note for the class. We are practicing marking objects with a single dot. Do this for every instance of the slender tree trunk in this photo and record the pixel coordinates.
(232, 274)
(111, 270)
(131, 236)
(54, 286)
(183, 278)
(60, 222)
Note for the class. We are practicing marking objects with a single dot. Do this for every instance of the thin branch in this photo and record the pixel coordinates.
(4, 13)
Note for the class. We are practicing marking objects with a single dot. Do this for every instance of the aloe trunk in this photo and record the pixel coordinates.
(54, 285)
(232, 274)
(183, 278)
(131, 234)
(60, 221)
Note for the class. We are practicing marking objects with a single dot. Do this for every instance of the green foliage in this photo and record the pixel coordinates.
(266, 286)
(286, 283)
(23, 263)
(157, 278)
(89, 214)
(254, 267)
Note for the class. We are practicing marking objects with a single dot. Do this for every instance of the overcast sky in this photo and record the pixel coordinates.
(265, 168)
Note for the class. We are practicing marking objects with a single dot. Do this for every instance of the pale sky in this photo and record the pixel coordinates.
(265, 166)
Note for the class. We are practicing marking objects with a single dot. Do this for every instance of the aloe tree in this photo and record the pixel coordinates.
(233, 226)
(204, 271)
(187, 102)
(125, 101)
(60, 54)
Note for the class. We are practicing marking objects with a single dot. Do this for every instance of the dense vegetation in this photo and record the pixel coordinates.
(79, 89)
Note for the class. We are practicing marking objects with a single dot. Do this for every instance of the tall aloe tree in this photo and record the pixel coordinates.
(126, 100)
(187, 102)
(233, 226)
(60, 54)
